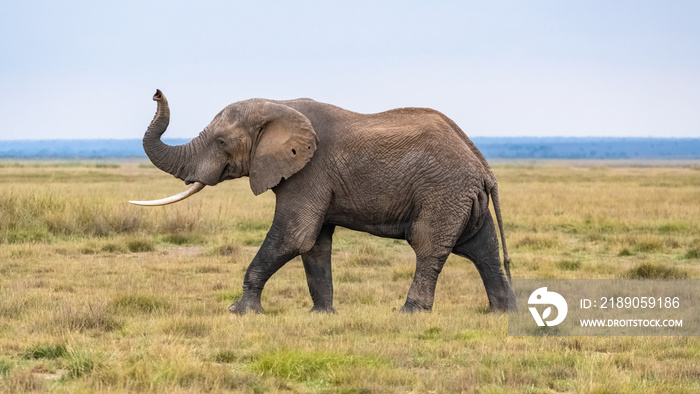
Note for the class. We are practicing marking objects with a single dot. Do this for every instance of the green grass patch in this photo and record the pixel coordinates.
(45, 351)
(432, 333)
(140, 303)
(470, 335)
(671, 228)
(318, 367)
(225, 356)
(140, 245)
(26, 235)
(229, 296)
(114, 248)
(625, 252)
(692, 254)
(656, 271)
(6, 367)
(80, 363)
(569, 265)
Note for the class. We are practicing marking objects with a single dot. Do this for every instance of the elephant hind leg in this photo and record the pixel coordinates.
(431, 239)
(421, 295)
(482, 249)
(317, 264)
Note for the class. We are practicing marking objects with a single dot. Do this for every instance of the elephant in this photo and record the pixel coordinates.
(407, 173)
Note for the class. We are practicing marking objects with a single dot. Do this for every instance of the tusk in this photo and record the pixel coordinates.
(194, 188)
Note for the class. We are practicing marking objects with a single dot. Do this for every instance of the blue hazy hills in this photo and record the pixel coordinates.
(491, 147)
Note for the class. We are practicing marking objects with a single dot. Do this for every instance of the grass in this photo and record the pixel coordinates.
(692, 254)
(97, 295)
(82, 317)
(569, 265)
(139, 303)
(314, 369)
(656, 271)
(45, 351)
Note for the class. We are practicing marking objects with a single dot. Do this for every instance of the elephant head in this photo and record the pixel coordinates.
(262, 139)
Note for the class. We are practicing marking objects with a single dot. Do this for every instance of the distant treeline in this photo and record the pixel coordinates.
(491, 147)
(588, 148)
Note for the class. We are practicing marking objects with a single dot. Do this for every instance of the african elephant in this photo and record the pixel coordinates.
(408, 173)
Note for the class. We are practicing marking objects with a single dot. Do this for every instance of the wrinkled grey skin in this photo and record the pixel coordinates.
(408, 173)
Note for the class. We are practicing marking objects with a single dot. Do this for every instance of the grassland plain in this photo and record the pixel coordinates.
(99, 295)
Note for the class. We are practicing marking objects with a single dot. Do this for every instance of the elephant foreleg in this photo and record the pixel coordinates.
(294, 231)
(269, 259)
(317, 264)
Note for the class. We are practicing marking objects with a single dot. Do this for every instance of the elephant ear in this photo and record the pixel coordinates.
(285, 143)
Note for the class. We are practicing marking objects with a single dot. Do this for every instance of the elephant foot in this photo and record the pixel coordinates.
(413, 307)
(504, 306)
(323, 309)
(502, 301)
(242, 306)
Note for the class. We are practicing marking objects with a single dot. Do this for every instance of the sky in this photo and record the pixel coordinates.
(88, 69)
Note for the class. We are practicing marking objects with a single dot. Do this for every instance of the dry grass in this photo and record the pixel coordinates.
(99, 295)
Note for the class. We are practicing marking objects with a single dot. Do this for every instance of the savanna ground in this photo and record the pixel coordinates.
(100, 295)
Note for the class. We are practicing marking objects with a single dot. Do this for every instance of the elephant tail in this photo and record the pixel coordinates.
(497, 209)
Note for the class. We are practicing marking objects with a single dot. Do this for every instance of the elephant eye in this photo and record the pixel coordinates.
(220, 141)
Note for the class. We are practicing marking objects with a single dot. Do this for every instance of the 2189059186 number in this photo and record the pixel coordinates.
(639, 302)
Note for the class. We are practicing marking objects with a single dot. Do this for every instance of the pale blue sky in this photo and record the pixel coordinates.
(87, 69)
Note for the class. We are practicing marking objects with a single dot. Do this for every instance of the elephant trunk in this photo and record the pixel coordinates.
(174, 160)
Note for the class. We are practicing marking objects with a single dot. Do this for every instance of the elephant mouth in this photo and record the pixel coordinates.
(228, 173)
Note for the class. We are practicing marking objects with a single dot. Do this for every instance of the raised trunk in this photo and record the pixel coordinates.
(174, 160)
